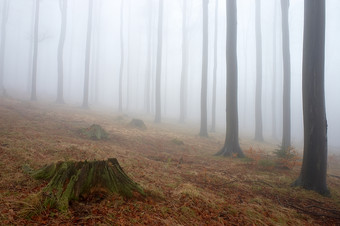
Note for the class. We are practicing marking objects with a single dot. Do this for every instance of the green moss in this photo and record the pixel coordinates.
(94, 132)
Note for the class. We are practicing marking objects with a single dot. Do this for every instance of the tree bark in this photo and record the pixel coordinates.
(159, 63)
(148, 73)
(231, 145)
(184, 72)
(121, 72)
(258, 95)
(88, 56)
(286, 133)
(5, 9)
(213, 120)
(63, 12)
(204, 85)
(274, 73)
(35, 52)
(314, 165)
(76, 181)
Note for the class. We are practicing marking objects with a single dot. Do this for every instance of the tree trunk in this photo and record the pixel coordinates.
(314, 165)
(3, 44)
(88, 56)
(159, 63)
(35, 52)
(77, 181)
(286, 133)
(258, 96)
(274, 73)
(184, 73)
(204, 85)
(121, 72)
(231, 145)
(213, 120)
(148, 64)
(63, 11)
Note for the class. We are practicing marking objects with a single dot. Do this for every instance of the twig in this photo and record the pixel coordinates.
(325, 209)
(312, 213)
(334, 176)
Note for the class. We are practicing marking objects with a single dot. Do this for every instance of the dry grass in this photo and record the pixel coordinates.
(185, 183)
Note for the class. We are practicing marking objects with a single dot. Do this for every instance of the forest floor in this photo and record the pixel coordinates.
(185, 184)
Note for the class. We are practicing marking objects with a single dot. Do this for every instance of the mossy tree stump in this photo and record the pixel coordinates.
(80, 180)
(137, 123)
(95, 132)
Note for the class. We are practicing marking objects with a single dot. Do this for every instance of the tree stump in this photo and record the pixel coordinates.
(82, 180)
(137, 123)
(95, 132)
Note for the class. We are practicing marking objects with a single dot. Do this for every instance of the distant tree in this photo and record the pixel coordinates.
(148, 71)
(184, 72)
(231, 144)
(274, 72)
(35, 51)
(4, 19)
(121, 72)
(63, 11)
(88, 56)
(314, 166)
(159, 62)
(258, 96)
(204, 84)
(213, 121)
(286, 133)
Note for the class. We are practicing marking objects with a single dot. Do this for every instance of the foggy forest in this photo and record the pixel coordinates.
(169, 112)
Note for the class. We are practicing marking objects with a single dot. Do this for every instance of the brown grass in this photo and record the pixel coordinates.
(186, 184)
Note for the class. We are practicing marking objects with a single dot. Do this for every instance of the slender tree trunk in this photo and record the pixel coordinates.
(121, 72)
(148, 64)
(5, 9)
(184, 73)
(35, 52)
(274, 73)
(159, 63)
(231, 145)
(213, 121)
(30, 51)
(286, 133)
(63, 11)
(258, 96)
(204, 85)
(314, 165)
(88, 56)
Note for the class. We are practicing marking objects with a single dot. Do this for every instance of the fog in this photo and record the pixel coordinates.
(106, 58)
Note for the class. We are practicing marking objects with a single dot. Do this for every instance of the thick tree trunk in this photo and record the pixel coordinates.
(231, 145)
(121, 72)
(88, 56)
(3, 44)
(314, 165)
(184, 73)
(159, 63)
(76, 181)
(63, 11)
(258, 96)
(286, 133)
(35, 52)
(204, 85)
(213, 111)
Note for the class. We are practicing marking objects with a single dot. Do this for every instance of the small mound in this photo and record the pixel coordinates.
(137, 123)
(177, 141)
(95, 132)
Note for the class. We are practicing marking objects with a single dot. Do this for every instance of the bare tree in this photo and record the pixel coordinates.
(159, 63)
(213, 121)
(88, 56)
(35, 51)
(5, 9)
(148, 74)
(121, 72)
(63, 11)
(274, 72)
(184, 72)
(258, 96)
(231, 144)
(314, 166)
(204, 84)
(286, 133)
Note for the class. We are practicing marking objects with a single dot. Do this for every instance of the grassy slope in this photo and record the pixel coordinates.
(186, 185)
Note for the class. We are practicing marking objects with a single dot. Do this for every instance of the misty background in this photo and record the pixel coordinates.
(105, 58)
